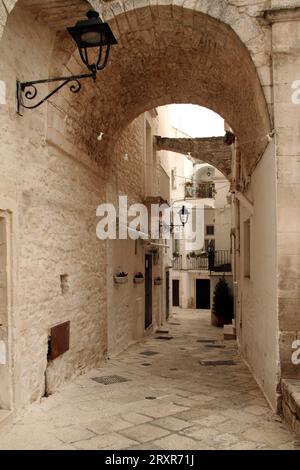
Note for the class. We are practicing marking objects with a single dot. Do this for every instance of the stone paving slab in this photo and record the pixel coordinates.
(192, 407)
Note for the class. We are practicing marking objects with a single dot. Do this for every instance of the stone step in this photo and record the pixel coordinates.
(162, 332)
(229, 332)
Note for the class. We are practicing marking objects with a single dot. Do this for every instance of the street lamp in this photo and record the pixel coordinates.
(90, 34)
(93, 33)
(184, 214)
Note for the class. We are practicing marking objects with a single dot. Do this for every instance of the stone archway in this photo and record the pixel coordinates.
(166, 54)
(171, 54)
(201, 40)
(212, 150)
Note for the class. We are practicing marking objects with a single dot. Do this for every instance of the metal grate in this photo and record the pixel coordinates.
(164, 337)
(110, 379)
(149, 353)
(217, 363)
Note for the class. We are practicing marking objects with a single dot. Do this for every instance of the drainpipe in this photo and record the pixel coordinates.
(236, 237)
(244, 201)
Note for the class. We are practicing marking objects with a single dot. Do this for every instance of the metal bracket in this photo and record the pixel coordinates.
(30, 92)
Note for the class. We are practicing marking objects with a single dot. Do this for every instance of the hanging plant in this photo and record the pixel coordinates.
(138, 278)
(121, 278)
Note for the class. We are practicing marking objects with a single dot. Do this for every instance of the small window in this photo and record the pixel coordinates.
(247, 249)
(173, 178)
(210, 229)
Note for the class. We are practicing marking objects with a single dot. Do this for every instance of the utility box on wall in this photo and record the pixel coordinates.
(59, 340)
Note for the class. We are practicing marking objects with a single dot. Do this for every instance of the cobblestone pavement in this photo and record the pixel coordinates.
(170, 401)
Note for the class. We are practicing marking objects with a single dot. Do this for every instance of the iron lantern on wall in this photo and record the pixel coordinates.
(90, 34)
(93, 39)
(184, 214)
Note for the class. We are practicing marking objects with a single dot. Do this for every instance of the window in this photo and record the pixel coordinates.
(247, 248)
(173, 178)
(210, 229)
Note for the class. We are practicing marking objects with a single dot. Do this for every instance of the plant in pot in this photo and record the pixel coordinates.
(121, 278)
(158, 281)
(138, 278)
(222, 311)
(176, 254)
(189, 189)
(193, 254)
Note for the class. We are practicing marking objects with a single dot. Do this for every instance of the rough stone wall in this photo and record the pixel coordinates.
(211, 150)
(6, 366)
(50, 177)
(257, 319)
(126, 303)
(55, 198)
(287, 121)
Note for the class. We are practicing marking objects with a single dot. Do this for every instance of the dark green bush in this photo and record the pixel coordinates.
(223, 300)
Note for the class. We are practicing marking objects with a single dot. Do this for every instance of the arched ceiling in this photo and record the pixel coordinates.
(162, 61)
(166, 54)
(211, 150)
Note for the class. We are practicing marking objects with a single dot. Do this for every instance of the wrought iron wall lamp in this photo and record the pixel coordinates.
(90, 35)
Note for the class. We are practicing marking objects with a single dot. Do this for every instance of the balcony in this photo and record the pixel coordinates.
(198, 263)
(214, 261)
(177, 263)
(200, 190)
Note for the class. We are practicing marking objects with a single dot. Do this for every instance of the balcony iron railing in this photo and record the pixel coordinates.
(214, 261)
(177, 263)
(200, 190)
(198, 263)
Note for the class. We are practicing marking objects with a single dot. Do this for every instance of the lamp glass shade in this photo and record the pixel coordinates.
(92, 32)
(184, 215)
(92, 38)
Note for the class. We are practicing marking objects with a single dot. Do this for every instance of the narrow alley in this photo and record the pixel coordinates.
(163, 393)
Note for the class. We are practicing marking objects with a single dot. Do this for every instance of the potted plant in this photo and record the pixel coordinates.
(121, 278)
(158, 281)
(138, 278)
(222, 311)
(176, 254)
(192, 254)
(189, 189)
